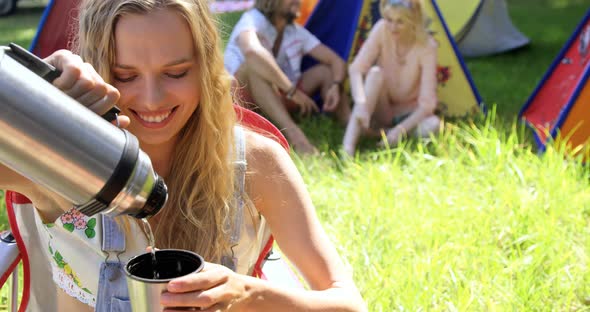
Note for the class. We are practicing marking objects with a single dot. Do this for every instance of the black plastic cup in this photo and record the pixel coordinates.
(147, 280)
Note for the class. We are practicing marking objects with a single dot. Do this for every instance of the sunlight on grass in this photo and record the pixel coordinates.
(560, 4)
(472, 220)
(24, 34)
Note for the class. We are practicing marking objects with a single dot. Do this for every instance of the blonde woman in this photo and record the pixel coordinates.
(393, 77)
(160, 61)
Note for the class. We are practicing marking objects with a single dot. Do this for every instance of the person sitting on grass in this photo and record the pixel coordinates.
(398, 63)
(264, 53)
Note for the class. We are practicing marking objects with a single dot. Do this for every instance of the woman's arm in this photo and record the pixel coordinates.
(49, 205)
(366, 57)
(11, 180)
(279, 193)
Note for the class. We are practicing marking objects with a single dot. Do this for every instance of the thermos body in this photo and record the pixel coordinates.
(68, 147)
(55, 141)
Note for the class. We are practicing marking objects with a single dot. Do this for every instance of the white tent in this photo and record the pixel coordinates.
(488, 31)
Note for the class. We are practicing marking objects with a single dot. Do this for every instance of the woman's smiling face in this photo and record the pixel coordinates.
(157, 74)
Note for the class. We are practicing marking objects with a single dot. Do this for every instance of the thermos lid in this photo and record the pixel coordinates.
(156, 200)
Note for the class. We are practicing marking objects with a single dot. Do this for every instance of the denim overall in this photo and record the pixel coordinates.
(112, 287)
(112, 294)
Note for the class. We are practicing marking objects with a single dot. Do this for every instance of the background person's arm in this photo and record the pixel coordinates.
(262, 61)
(325, 55)
(366, 57)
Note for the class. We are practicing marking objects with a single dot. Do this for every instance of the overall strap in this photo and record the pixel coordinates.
(230, 261)
(240, 176)
(113, 237)
(112, 285)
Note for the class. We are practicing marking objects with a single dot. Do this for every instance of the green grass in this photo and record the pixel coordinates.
(471, 220)
(21, 27)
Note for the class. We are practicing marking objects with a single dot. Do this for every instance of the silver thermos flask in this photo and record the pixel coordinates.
(53, 140)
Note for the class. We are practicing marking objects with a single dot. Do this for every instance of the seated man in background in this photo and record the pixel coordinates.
(264, 53)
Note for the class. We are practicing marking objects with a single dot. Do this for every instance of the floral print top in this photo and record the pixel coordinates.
(74, 243)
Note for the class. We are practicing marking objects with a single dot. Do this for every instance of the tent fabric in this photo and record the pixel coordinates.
(345, 24)
(559, 107)
(45, 41)
(491, 31)
(480, 27)
(459, 15)
(307, 7)
(338, 33)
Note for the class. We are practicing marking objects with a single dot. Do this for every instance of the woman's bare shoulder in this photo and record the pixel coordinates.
(378, 25)
(272, 175)
(378, 29)
(264, 152)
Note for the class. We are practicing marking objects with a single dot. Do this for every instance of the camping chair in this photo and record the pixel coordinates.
(276, 270)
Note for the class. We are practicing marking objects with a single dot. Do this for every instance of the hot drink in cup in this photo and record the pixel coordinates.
(147, 279)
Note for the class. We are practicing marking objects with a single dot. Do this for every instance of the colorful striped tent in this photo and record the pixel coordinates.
(482, 27)
(343, 25)
(559, 108)
(479, 27)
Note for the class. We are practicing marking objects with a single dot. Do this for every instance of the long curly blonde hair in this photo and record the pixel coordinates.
(199, 211)
(412, 13)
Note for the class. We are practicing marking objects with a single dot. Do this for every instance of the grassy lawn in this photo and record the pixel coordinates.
(471, 220)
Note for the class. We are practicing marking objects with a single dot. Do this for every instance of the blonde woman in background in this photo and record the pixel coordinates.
(393, 77)
(160, 62)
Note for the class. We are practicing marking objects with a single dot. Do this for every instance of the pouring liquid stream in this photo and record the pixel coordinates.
(151, 242)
